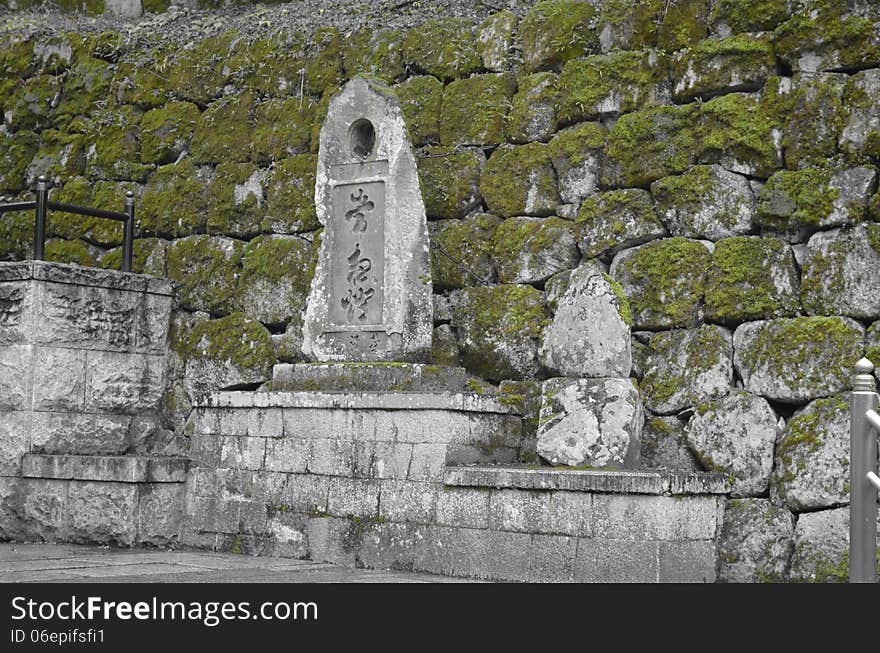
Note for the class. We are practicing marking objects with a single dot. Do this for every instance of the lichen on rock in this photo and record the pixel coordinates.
(236, 200)
(445, 48)
(756, 542)
(204, 270)
(461, 251)
(520, 180)
(532, 115)
(450, 181)
(420, 100)
(577, 156)
(474, 109)
(554, 31)
(531, 250)
(290, 196)
(166, 132)
(616, 220)
(174, 202)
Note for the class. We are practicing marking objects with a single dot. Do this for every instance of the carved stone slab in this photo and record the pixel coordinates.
(370, 298)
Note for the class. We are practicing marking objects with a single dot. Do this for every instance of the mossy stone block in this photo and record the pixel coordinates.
(148, 257)
(223, 131)
(75, 251)
(664, 281)
(16, 236)
(715, 66)
(751, 278)
(114, 153)
(236, 200)
(61, 155)
(705, 202)
(31, 106)
(860, 134)
(520, 180)
(816, 119)
(649, 144)
(166, 132)
(450, 182)
(445, 48)
(290, 204)
(531, 250)
(495, 40)
(375, 53)
(175, 201)
(532, 115)
(683, 23)
(607, 85)
(17, 151)
(615, 220)
(16, 63)
(755, 543)
(444, 347)
(736, 16)
(197, 73)
(275, 275)
(142, 83)
(498, 330)
(798, 359)
(272, 66)
(106, 195)
(474, 109)
(420, 100)
(461, 251)
(282, 128)
(628, 25)
(205, 270)
(577, 154)
(554, 31)
(86, 85)
(323, 68)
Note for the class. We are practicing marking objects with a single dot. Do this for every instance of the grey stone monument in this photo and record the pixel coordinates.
(370, 298)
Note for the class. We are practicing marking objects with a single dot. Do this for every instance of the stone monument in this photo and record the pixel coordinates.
(370, 298)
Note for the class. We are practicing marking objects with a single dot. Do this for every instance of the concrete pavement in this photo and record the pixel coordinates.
(70, 563)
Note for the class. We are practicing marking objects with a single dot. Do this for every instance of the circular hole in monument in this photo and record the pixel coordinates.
(362, 138)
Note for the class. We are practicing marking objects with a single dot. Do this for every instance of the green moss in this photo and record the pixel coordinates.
(167, 131)
(16, 63)
(236, 340)
(690, 188)
(622, 302)
(495, 40)
(741, 280)
(90, 7)
(815, 121)
(16, 154)
(115, 150)
(519, 241)
(148, 257)
(449, 181)
(612, 218)
(554, 31)
(444, 48)
(740, 62)
(684, 23)
(520, 180)
(70, 251)
(603, 85)
(223, 132)
(469, 242)
(85, 86)
(794, 199)
(142, 83)
(323, 61)
(374, 53)
(236, 200)
(109, 196)
(750, 15)
(320, 116)
(196, 73)
(273, 66)
(474, 109)
(532, 114)
(174, 202)
(420, 100)
(31, 106)
(650, 144)
(574, 146)
(291, 196)
(60, 157)
(205, 271)
(156, 6)
(670, 277)
(631, 24)
(282, 128)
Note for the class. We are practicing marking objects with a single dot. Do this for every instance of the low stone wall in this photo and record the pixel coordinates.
(369, 479)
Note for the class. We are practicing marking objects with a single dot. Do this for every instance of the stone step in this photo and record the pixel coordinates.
(367, 377)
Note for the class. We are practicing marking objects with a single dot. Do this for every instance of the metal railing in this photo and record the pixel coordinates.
(42, 204)
(864, 482)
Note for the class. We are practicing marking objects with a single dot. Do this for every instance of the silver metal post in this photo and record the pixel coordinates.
(863, 494)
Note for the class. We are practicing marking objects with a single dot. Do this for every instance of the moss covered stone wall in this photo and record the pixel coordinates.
(715, 157)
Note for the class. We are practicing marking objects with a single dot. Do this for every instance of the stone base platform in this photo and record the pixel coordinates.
(368, 377)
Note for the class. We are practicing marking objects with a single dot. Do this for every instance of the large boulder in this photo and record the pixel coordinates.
(592, 422)
(814, 122)
(860, 136)
(531, 250)
(798, 359)
(821, 547)
(686, 367)
(664, 446)
(520, 180)
(589, 334)
(756, 542)
(576, 153)
(204, 271)
(461, 251)
(616, 220)
(735, 435)
(812, 456)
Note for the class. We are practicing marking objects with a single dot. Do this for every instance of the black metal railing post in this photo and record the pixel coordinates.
(128, 235)
(40, 219)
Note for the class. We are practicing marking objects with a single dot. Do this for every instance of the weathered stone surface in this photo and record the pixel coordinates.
(290, 205)
(554, 31)
(814, 122)
(589, 334)
(474, 109)
(494, 40)
(15, 430)
(80, 433)
(616, 220)
(532, 115)
(498, 330)
(445, 48)
(821, 547)
(520, 180)
(576, 153)
(204, 269)
(367, 377)
(797, 203)
(123, 383)
(461, 251)
(812, 456)
(595, 422)
(756, 542)
(604, 86)
(362, 306)
(798, 359)
(716, 66)
(841, 270)
(751, 278)
(420, 101)
(160, 513)
(684, 368)
(706, 202)
(860, 135)
(103, 512)
(664, 446)
(664, 281)
(450, 182)
(735, 435)
(531, 250)
(232, 351)
(15, 377)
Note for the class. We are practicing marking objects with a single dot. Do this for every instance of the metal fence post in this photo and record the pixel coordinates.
(40, 219)
(863, 494)
(128, 235)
